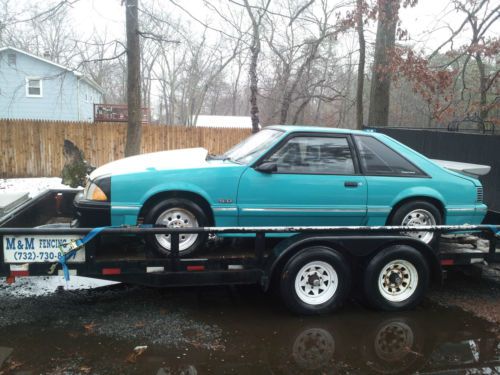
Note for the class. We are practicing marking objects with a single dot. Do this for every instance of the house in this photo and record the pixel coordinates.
(32, 87)
(206, 121)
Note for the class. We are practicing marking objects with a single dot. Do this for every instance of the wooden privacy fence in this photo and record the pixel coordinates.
(35, 148)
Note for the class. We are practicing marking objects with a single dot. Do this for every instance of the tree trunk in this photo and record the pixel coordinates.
(134, 129)
(483, 110)
(381, 79)
(254, 89)
(255, 51)
(361, 65)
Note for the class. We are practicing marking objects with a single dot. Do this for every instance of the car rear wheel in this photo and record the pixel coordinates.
(176, 213)
(418, 213)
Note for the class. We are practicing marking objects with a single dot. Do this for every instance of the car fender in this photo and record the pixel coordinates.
(175, 186)
(418, 191)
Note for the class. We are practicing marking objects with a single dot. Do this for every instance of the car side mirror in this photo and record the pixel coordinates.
(267, 167)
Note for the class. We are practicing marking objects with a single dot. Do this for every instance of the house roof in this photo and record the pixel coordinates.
(75, 72)
(206, 121)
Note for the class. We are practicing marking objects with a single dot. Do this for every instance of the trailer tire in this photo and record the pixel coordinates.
(396, 279)
(317, 280)
(175, 213)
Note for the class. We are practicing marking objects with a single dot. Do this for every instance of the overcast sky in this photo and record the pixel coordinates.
(428, 15)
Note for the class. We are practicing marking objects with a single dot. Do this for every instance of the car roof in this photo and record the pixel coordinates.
(316, 129)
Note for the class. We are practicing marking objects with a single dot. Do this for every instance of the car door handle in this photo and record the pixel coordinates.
(351, 184)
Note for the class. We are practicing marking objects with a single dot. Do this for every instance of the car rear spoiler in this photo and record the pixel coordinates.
(474, 170)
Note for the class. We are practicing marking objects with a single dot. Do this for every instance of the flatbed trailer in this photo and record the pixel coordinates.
(313, 268)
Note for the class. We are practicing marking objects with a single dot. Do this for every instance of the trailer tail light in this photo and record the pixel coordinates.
(19, 273)
(447, 262)
(196, 268)
(111, 271)
(19, 270)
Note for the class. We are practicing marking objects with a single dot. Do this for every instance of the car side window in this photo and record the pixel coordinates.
(314, 155)
(379, 159)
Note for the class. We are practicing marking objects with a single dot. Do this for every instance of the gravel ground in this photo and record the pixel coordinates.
(120, 312)
(478, 294)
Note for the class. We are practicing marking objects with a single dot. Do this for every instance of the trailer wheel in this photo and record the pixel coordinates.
(396, 279)
(176, 213)
(315, 281)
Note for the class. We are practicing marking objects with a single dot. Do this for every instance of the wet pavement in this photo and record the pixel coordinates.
(231, 330)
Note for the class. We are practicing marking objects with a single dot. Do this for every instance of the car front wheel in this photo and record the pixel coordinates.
(176, 213)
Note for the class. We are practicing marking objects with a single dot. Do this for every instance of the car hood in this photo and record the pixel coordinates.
(157, 161)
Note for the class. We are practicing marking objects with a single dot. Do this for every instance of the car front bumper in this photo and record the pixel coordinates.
(91, 214)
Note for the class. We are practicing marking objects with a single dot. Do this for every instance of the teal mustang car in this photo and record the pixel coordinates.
(282, 176)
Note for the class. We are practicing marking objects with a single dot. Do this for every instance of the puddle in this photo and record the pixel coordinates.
(228, 330)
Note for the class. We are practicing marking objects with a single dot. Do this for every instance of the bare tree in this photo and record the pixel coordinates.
(480, 17)
(256, 17)
(134, 128)
(381, 79)
(360, 5)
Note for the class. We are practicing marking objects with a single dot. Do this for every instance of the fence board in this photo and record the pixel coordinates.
(34, 148)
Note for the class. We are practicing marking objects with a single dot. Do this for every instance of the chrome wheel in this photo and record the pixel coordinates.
(316, 283)
(417, 218)
(398, 280)
(177, 218)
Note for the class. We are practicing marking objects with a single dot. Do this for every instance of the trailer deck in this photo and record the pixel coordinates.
(120, 254)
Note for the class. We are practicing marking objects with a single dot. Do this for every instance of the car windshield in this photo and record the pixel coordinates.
(250, 148)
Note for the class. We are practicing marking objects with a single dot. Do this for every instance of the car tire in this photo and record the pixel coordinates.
(176, 213)
(321, 265)
(396, 279)
(416, 213)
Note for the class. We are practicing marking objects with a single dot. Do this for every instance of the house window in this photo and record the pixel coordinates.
(34, 87)
(11, 59)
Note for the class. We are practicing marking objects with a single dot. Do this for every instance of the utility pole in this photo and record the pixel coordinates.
(134, 128)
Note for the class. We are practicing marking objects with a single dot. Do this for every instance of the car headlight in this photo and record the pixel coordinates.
(98, 190)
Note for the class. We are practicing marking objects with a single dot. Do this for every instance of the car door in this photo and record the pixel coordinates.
(307, 179)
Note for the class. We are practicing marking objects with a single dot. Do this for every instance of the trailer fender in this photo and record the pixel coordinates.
(359, 248)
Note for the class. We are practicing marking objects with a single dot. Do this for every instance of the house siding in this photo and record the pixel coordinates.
(64, 95)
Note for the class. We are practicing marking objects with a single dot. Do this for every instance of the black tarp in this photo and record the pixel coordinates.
(466, 148)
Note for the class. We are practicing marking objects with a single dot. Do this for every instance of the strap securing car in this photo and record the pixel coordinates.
(495, 229)
(69, 250)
